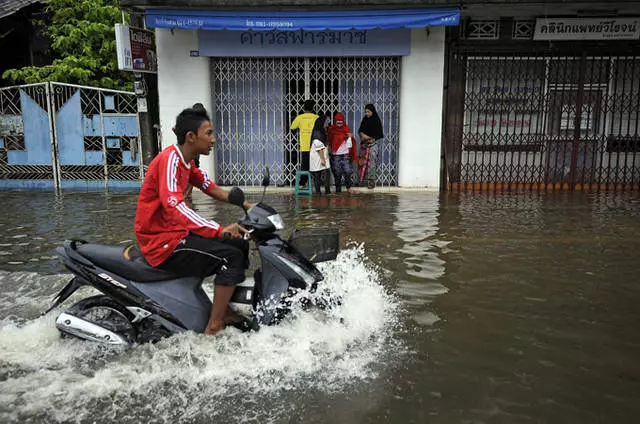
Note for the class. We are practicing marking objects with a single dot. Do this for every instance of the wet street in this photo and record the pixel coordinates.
(457, 308)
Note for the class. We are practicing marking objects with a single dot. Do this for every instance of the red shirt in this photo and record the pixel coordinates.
(162, 217)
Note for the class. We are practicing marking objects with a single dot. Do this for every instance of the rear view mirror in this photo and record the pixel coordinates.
(266, 179)
(236, 196)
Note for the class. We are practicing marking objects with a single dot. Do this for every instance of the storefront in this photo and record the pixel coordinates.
(544, 104)
(253, 70)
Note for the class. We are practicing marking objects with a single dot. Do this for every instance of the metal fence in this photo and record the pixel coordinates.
(63, 136)
(543, 121)
(256, 99)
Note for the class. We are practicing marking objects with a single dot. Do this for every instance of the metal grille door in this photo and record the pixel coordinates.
(544, 121)
(256, 99)
(97, 136)
(68, 136)
(26, 142)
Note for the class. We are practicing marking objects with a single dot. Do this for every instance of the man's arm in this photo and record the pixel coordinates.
(200, 179)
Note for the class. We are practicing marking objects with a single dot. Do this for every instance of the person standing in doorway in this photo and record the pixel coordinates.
(304, 123)
(319, 157)
(371, 136)
(341, 143)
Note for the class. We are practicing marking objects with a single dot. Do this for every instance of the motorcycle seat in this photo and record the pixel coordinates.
(127, 262)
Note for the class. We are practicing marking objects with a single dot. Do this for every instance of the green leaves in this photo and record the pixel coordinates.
(83, 39)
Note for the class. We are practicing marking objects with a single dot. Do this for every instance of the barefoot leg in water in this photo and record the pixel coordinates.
(221, 297)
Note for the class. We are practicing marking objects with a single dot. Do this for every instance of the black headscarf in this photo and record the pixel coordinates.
(318, 133)
(371, 126)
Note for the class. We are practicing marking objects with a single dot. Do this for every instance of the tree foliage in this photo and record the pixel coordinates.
(83, 40)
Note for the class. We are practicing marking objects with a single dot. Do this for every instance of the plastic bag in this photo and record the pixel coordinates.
(348, 142)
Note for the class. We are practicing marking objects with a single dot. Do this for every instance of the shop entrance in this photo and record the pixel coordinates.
(528, 115)
(256, 99)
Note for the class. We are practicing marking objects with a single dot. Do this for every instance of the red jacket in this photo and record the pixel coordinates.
(162, 217)
(336, 136)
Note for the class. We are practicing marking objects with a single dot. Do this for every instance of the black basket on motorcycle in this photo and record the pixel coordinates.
(316, 244)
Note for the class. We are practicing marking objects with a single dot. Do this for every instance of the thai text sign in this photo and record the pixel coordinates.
(587, 29)
(377, 42)
(136, 49)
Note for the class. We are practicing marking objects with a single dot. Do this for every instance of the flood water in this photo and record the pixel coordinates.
(457, 308)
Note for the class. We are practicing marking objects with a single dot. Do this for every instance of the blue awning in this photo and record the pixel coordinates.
(309, 20)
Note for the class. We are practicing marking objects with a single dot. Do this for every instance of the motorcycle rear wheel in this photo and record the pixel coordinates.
(105, 312)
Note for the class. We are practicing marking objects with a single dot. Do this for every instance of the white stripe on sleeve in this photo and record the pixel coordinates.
(195, 218)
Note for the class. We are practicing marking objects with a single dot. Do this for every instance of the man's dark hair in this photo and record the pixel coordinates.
(308, 105)
(189, 120)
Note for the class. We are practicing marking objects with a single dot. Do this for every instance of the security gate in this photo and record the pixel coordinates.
(256, 99)
(542, 116)
(68, 136)
(26, 141)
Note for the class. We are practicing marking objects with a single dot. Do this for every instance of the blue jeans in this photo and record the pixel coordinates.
(341, 167)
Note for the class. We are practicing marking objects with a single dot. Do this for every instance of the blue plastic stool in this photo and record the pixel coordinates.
(307, 190)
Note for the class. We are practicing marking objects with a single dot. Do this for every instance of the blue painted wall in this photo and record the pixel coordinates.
(98, 185)
(27, 184)
(70, 132)
(37, 137)
(120, 126)
(127, 161)
(93, 157)
(91, 125)
(114, 125)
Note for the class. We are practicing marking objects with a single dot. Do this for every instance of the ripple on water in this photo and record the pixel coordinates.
(423, 290)
(418, 296)
(189, 376)
(426, 319)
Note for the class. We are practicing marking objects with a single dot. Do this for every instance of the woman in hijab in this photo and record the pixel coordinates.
(371, 136)
(342, 146)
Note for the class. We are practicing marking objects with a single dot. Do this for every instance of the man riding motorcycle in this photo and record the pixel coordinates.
(172, 236)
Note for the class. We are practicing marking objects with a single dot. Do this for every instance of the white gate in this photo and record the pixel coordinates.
(256, 99)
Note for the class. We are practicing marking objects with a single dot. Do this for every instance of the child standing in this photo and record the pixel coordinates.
(319, 157)
(343, 151)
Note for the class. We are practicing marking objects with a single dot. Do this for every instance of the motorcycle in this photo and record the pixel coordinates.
(142, 304)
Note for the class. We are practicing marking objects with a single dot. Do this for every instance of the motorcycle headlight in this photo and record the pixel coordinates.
(277, 222)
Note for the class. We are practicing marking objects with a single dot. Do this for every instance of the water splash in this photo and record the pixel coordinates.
(189, 376)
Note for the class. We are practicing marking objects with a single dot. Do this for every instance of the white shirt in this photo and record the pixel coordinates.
(315, 164)
(344, 147)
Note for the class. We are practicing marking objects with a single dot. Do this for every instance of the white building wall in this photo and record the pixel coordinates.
(421, 101)
(182, 81)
